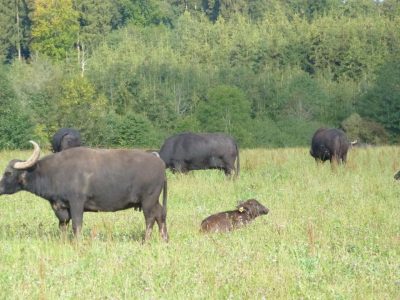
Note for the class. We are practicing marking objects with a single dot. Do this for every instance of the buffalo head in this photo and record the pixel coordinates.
(14, 174)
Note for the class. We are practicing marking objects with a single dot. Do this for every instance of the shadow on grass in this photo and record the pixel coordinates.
(48, 232)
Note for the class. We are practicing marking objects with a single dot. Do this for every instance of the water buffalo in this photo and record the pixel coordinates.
(329, 144)
(83, 179)
(196, 151)
(226, 221)
(65, 138)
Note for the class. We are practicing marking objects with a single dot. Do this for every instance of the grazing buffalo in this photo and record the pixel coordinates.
(330, 144)
(83, 179)
(226, 221)
(196, 151)
(65, 138)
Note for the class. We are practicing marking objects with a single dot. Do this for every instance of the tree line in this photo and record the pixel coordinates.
(131, 72)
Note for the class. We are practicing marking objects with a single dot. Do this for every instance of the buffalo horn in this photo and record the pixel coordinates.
(22, 165)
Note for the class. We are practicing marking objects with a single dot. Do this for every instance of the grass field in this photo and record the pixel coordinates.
(330, 234)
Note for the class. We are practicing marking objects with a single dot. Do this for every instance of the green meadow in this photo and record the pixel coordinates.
(332, 233)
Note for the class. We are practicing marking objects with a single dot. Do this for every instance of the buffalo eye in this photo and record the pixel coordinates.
(7, 173)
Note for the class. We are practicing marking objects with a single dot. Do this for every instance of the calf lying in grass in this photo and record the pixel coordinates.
(226, 221)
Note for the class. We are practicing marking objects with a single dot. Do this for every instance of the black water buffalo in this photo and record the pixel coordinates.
(65, 138)
(196, 151)
(329, 144)
(82, 179)
(226, 221)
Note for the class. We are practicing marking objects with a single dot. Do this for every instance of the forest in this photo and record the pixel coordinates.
(128, 73)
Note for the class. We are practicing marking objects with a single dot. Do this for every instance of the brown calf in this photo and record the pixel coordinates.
(229, 220)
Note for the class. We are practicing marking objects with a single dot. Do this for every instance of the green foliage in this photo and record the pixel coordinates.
(349, 47)
(364, 131)
(297, 131)
(381, 102)
(341, 97)
(78, 106)
(15, 124)
(145, 12)
(226, 109)
(304, 60)
(129, 131)
(96, 20)
(187, 123)
(266, 133)
(285, 132)
(38, 85)
(302, 98)
(15, 129)
(14, 29)
(55, 28)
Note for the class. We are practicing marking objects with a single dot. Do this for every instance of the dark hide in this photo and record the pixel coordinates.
(397, 175)
(65, 138)
(83, 179)
(229, 220)
(198, 151)
(329, 144)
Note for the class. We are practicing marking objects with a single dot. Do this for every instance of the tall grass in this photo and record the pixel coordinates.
(330, 233)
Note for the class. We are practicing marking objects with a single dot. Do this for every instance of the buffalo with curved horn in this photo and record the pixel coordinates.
(84, 179)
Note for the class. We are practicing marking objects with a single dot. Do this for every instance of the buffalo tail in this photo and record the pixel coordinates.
(164, 205)
(237, 161)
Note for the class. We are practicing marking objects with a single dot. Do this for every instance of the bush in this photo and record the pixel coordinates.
(16, 129)
(365, 131)
(265, 133)
(226, 110)
(381, 103)
(129, 131)
(187, 123)
(297, 132)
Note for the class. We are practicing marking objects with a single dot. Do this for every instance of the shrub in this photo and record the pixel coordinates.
(297, 132)
(15, 125)
(226, 110)
(15, 129)
(365, 131)
(130, 130)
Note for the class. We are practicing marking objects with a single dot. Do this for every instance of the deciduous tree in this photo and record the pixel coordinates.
(55, 28)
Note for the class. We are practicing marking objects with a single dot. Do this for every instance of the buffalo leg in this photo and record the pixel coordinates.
(228, 165)
(76, 216)
(62, 215)
(149, 219)
(180, 167)
(228, 170)
(334, 162)
(152, 213)
(161, 221)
